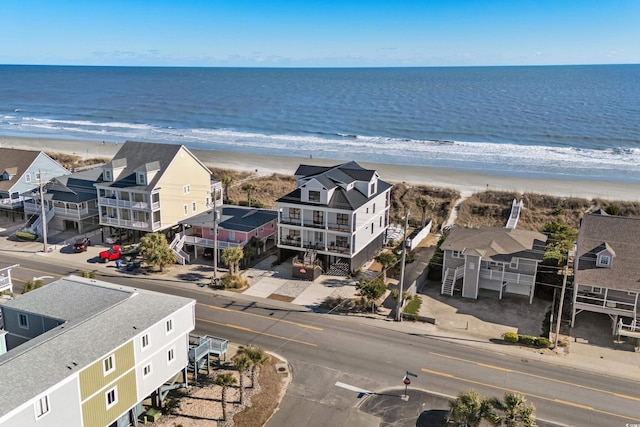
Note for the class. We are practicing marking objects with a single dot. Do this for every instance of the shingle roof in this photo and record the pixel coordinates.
(143, 156)
(235, 218)
(87, 306)
(622, 236)
(497, 244)
(330, 177)
(15, 162)
(77, 187)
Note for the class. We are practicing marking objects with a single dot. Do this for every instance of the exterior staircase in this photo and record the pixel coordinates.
(176, 246)
(516, 208)
(451, 275)
(36, 226)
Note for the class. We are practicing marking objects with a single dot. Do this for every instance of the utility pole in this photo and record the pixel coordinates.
(215, 236)
(42, 214)
(402, 262)
(564, 287)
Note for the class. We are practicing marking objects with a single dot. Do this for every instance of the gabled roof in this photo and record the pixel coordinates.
(84, 307)
(620, 235)
(143, 156)
(15, 162)
(496, 244)
(234, 218)
(337, 177)
(77, 187)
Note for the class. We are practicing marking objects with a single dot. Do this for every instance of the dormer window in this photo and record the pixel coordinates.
(604, 261)
(107, 175)
(142, 178)
(373, 188)
(314, 196)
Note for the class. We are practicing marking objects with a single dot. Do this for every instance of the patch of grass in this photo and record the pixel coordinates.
(278, 297)
(413, 306)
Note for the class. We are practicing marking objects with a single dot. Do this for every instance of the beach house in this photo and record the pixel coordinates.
(21, 172)
(86, 353)
(237, 226)
(70, 202)
(607, 271)
(337, 216)
(151, 187)
(498, 259)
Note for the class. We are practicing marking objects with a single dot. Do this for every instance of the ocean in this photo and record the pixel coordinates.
(544, 121)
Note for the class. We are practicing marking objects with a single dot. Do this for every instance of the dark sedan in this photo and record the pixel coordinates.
(81, 245)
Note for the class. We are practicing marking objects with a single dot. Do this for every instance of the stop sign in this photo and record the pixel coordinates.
(406, 381)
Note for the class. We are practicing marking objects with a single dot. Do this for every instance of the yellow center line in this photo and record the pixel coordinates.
(242, 328)
(484, 365)
(261, 316)
(535, 396)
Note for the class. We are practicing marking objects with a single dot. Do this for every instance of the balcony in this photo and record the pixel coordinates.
(315, 224)
(112, 201)
(291, 241)
(290, 221)
(208, 243)
(516, 278)
(124, 223)
(601, 303)
(339, 227)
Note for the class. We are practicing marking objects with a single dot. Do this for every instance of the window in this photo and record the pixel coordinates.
(342, 241)
(605, 260)
(146, 370)
(374, 208)
(380, 222)
(145, 341)
(373, 188)
(42, 406)
(514, 263)
(23, 321)
(142, 179)
(170, 355)
(314, 196)
(318, 236)
(194, 206)
(107, 175)
(342, 219)
(186, 189)
(37, 174)
(318, 217)
(372, 228)
(169, 326)
(294, 213)
(186, 209)
(111, 397)
(109, 364)
(456, 254)
(596, 290)
(294, 234)
(27, 177)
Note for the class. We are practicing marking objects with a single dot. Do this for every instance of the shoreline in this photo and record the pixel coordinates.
(466, 182)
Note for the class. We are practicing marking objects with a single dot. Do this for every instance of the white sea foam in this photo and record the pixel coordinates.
(614, 163)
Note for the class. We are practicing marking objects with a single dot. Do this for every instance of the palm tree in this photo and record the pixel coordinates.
(243, 364)
(386, 259)
(231, 257)
(226, 182)
(423, 203)
(225, 381)
(515, 412)
(469, 409)
(249, 188)
(257, 356)
(155, 248)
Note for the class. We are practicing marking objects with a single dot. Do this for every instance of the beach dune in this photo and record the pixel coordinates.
(464, 181)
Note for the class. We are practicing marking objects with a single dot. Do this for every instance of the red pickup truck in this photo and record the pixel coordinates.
(117, 252)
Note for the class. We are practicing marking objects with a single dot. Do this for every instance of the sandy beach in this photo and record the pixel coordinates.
(467, 182)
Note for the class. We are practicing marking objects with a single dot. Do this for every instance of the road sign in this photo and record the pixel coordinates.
(406, 381)
(411, 374)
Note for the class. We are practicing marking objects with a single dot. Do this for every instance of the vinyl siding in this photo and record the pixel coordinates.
(93, 379)
(94, 410)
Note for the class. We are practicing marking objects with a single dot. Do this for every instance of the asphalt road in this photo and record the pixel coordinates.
(373, 355)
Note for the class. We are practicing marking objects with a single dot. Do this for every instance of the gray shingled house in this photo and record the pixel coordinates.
(607, 271)
(499, 259)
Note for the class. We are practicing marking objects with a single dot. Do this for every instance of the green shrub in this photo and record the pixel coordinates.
(510, 337)
(232, 281)
(25, 235)
(413, 306)
(542, 342)
(527, 340)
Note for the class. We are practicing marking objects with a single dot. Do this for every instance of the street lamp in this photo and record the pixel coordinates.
(402, 262)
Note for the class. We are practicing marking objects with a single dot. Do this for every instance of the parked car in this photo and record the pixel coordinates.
(116, 252)
(118, 238)
(81, 244)
(207, 253)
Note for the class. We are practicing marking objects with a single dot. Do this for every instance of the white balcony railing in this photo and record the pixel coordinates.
(517, 278)
(108, 201)
(208, 243)
(123, 223)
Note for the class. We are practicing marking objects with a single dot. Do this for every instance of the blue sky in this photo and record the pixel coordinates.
(307, 33)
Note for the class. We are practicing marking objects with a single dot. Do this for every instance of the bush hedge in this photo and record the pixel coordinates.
(527, 340)
(542, 342)
(25, 235)
(510, 337)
